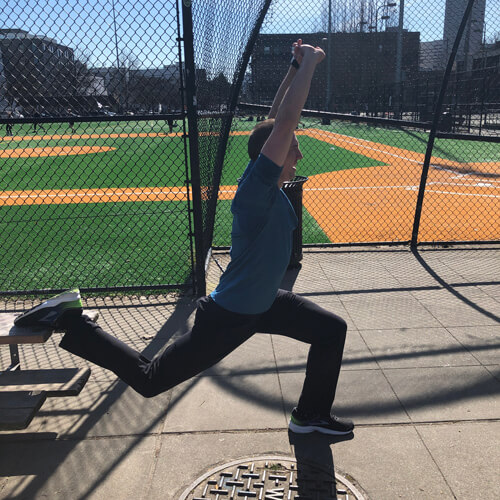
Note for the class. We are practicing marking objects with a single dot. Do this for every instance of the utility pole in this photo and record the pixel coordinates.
(329, 60)
(399, 57)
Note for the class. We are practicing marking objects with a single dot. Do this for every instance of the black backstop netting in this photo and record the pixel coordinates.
(223, 37)
(370, 116)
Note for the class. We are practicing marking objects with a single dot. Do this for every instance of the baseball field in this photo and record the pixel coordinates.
(105, 204)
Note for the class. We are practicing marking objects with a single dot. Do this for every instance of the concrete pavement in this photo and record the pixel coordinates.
(420, 378)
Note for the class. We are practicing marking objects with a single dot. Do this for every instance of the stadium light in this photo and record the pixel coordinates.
(385, 17)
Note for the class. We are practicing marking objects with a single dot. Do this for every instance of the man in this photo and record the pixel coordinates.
(8, 125)
(247, 299)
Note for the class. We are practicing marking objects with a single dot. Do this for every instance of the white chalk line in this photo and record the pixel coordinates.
(407, 188)
(447, 168)
(89, 194)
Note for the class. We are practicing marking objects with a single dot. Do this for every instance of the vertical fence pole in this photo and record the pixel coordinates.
(399, 58)
(435, 122)
(187, 26)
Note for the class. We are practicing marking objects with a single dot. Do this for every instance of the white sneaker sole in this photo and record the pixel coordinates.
(306, 429)
(55, 301)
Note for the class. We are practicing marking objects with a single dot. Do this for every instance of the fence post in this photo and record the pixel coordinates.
(192, 116)
(435, 122)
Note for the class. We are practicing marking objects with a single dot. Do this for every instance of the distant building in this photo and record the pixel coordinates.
(363, 68)
(92, 85)
(487, 60)
(432, 56)
(141, 90)
(472, 37)
(35, 71)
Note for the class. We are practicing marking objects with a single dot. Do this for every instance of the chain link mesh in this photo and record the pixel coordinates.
(380, 83)
(94, 179)
(95, 162)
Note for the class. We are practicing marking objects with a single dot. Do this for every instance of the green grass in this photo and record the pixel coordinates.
(312, 233)
(319, 157)
(94, 245)
(126, 244)
(135, 162)
(414, 140)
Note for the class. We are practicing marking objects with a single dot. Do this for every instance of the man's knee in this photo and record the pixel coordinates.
(336, 328)
(147, 389)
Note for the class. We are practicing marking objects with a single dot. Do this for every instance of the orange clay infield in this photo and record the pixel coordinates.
(462, 201)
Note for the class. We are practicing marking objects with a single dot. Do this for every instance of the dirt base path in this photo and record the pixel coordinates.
(378, 204)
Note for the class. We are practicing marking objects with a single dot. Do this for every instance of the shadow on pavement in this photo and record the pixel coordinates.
(311, 451)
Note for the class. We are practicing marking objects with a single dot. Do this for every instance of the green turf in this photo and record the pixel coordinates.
(311, 234)
(123, 244)
(135, 162)
(415, 140)
(94, 245)
(319, 157)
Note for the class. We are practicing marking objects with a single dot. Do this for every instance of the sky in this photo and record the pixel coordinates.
(146, 30)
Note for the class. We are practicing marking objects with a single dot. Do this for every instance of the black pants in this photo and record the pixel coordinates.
(216, 333)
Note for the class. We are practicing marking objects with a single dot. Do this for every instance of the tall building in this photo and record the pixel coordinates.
(472, 37)
(431, 56)
(362, 75)
(35, 71)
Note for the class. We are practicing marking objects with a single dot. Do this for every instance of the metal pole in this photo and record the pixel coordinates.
(432, 135)
(192, 116)
(117, 56)
(399, 58)
(329, 59)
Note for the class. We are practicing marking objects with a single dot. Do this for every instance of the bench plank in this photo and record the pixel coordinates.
(54, 382)
(17, 409)
(10, 334)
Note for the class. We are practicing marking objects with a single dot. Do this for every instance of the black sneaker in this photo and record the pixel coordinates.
(329, 424)
(48, 313)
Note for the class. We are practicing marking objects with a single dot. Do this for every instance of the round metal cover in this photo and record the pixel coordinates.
(271, 478)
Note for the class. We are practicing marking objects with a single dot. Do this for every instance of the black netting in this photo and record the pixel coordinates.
(222, 33)
(381, 82)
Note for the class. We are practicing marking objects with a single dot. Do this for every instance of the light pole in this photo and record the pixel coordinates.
(329, 58)
(399, 57)
(326, 121)
(385, 6)
(117, 56)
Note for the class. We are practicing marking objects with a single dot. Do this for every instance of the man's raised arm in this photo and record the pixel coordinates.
(289, 109)
(292, 70)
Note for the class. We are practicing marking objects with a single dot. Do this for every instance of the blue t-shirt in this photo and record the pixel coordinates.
(263, 223)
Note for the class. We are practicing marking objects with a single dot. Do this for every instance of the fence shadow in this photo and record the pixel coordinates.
(28, 460)
(450, 288)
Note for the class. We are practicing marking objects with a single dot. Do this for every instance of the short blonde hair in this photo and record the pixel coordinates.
(258, 137)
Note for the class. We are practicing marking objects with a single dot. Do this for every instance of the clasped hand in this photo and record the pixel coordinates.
(301, 50)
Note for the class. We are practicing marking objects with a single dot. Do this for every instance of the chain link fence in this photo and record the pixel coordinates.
(124, 129)
(369, 120)
(94, 185)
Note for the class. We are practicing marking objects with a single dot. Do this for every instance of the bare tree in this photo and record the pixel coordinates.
(493, 37)
(348, 16)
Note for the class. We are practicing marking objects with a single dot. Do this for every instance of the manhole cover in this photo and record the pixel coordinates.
(271, 478)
